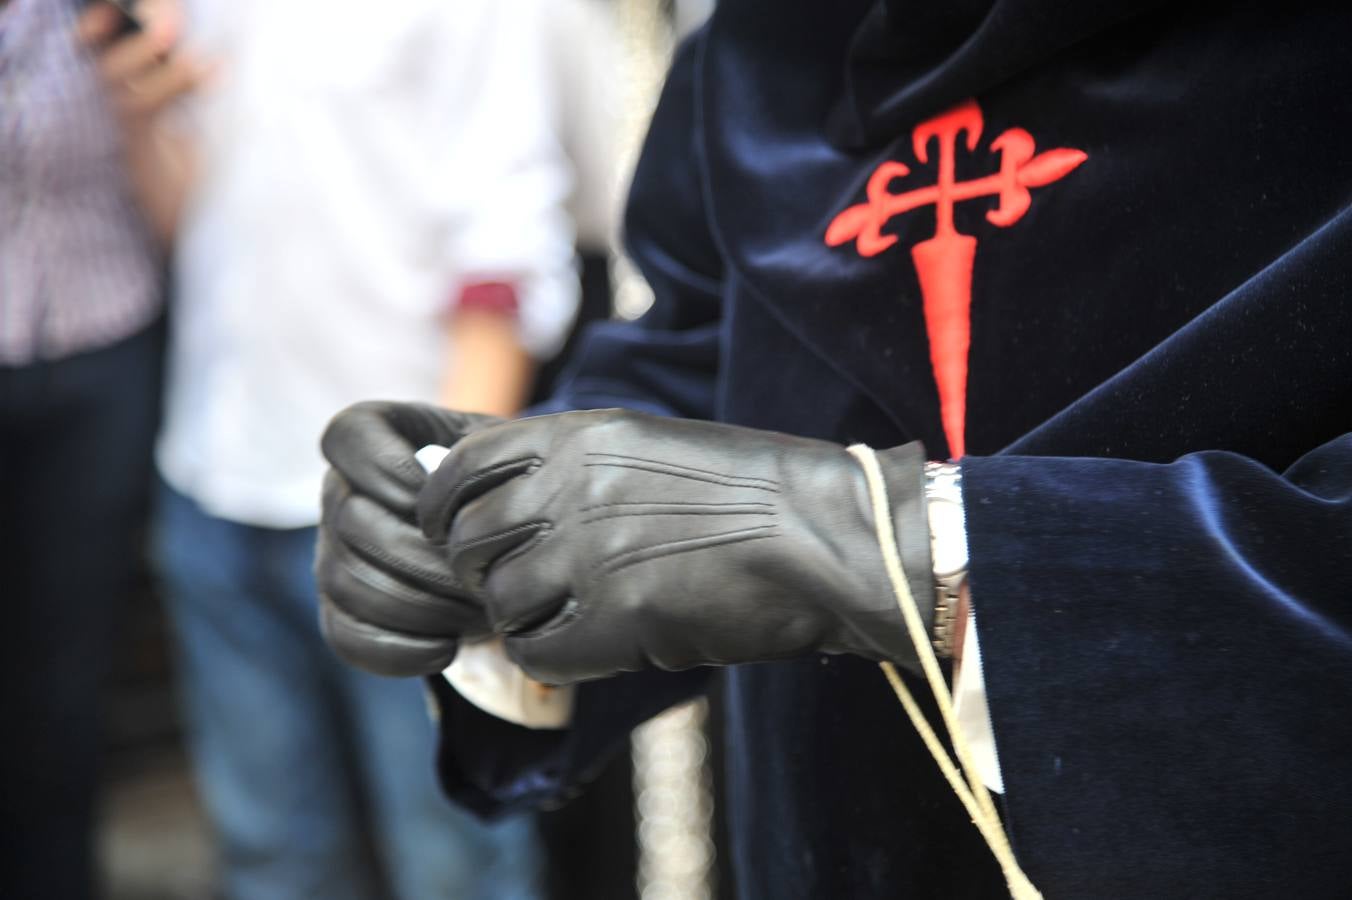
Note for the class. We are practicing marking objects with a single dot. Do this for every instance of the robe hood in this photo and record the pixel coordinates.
(908, 59)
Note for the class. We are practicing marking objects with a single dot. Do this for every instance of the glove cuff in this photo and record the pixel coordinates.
(903, 470)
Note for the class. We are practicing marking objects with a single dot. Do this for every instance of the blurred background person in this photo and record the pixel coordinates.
(583, 59)
(361, 205)
(79, 366)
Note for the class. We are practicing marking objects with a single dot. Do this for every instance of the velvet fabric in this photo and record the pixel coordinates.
(1158, 479)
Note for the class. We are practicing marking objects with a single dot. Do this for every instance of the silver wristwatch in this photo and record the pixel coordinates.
(948, 547)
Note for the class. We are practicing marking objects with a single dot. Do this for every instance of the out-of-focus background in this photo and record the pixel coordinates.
(80, 288)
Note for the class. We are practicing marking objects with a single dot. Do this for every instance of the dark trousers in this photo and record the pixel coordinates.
(75, 471)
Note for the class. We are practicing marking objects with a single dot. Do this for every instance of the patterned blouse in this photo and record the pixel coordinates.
(78, 267)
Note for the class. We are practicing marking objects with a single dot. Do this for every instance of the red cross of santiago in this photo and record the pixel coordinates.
(944, 262)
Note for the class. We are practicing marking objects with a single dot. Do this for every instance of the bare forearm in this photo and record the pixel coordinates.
(489, 371)
(144, 74)
(162, 166)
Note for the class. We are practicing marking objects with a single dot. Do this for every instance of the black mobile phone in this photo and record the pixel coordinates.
(131, 23)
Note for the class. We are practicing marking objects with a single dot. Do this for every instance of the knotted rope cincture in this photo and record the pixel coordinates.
(972, 792)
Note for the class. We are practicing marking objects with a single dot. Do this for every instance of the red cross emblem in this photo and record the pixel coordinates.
(943, 263)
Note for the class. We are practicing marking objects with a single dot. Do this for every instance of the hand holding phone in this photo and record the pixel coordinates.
(141, 65)
(131, 22)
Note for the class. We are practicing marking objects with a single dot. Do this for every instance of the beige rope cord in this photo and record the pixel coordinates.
(972, 792)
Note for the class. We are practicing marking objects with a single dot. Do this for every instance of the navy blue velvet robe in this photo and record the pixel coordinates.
(1159, 468)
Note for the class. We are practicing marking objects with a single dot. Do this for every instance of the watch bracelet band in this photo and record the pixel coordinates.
(943, 484)
(945, 623)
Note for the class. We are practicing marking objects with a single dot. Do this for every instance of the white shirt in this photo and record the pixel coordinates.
(973, 713)
(360, 165)
(584, 61)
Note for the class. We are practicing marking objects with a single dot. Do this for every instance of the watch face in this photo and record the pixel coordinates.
(948, 537)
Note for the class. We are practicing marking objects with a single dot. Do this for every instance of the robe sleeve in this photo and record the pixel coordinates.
(665, 363)
(1166, 628)
(1168, 655)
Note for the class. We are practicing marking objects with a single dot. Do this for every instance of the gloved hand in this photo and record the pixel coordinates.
(388, 600)
(608, 541)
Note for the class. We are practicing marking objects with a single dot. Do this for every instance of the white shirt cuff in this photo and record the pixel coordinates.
(973, 715)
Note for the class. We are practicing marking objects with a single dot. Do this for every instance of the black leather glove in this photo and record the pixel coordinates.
(388, 600)
(611, 541)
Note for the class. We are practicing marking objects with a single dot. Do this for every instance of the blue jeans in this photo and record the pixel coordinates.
(303, 762)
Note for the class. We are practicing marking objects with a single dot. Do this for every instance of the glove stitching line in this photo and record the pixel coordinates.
(596, 506)
(408, 474)
(379, 634)
(568, 612)
(393, 587)
(682, 512)
(370, 553)
(657, 462)
(714, 477)
(453, 496)
(612, 564)
(541, 528)
(538, 525)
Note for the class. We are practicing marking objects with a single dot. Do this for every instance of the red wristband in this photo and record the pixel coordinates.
(489, 296)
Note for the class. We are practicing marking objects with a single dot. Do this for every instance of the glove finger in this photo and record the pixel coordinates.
(374, 595)
(373, 444)
(657, 614)
(333, 492)
(379, 650)
(508, 521)
(477, 465)
(393, 544)
(472, 562)
(575, 645)
(505, 544)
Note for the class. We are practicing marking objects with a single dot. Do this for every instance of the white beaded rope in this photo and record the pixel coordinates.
(972, 792)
